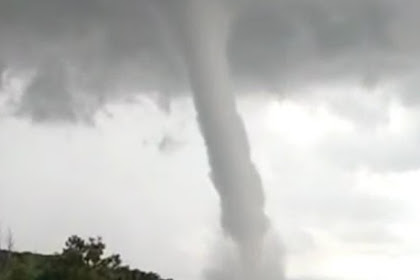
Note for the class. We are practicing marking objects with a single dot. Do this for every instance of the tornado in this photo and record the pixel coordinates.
(203, 27)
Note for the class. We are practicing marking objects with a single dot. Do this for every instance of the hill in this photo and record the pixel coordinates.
(79, 260)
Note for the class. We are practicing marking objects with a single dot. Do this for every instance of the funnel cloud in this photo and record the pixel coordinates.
(203, 35)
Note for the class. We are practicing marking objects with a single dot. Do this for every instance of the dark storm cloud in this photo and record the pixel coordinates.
(99, 47)
(108, 49)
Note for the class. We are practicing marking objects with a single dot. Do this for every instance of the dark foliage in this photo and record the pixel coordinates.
(79, 260)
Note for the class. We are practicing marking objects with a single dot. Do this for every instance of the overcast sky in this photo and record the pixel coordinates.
(98, 134)
(337, 192)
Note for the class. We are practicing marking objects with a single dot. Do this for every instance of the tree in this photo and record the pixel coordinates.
(79, 260)
(19, 271)
(83, 261)
(10, 241)
(1, 237)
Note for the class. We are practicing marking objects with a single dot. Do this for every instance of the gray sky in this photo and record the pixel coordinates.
(339, 213)
(98, 134)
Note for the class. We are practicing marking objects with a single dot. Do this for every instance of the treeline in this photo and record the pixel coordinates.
(79, 260)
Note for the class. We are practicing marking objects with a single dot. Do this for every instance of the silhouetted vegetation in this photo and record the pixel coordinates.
(79, 260)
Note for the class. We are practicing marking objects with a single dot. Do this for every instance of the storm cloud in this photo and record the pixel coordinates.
(105, 51)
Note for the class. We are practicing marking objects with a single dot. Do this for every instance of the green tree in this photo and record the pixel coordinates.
(20, 271)
(83, 261)
(79, 260)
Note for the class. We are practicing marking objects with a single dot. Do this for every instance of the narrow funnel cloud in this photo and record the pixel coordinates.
(204, 26)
